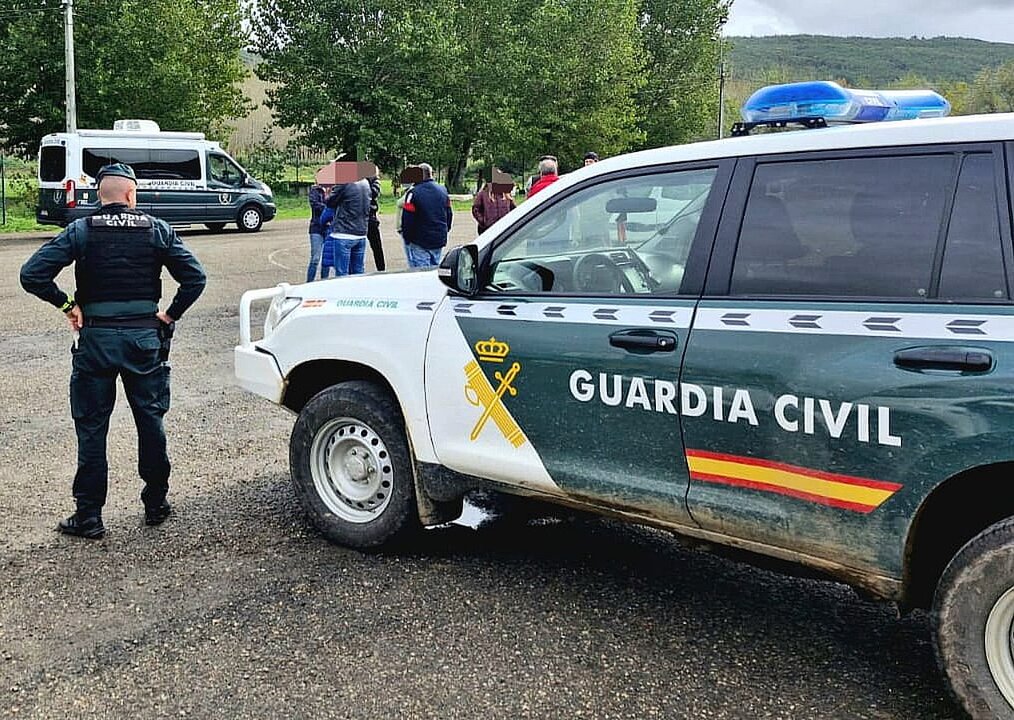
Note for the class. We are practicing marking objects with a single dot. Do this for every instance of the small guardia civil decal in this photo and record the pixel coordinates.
(479, 391)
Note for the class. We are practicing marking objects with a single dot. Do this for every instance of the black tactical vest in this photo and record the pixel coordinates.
(120, 259)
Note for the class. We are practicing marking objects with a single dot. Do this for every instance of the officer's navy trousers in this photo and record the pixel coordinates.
(101, 355)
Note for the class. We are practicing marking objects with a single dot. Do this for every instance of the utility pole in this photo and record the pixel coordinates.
(721, 87)
(68, 47)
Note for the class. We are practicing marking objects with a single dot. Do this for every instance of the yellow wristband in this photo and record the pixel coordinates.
(69, 305)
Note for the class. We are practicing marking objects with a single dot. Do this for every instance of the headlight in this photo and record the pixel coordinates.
(279, 309)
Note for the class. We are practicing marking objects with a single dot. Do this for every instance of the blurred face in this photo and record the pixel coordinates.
(589, 161)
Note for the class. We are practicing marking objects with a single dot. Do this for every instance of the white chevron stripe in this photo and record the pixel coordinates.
(881, 322)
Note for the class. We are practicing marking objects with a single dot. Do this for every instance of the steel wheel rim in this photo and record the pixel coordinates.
(251, 218)
(1000, 644)
(351, 469)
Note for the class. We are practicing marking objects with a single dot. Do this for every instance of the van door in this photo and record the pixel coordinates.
(847, 352)
(175, 179)
(566, 364)
(225, 192)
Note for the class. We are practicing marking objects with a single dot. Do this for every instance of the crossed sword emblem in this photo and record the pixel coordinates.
(480, 392)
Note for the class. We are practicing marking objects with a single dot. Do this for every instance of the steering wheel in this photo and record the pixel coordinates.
(596, 272)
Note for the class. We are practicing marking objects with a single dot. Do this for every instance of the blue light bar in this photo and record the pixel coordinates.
(835, 104)
(913, 104)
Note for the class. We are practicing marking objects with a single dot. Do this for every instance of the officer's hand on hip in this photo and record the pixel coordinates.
(75, 317)
(164, 317)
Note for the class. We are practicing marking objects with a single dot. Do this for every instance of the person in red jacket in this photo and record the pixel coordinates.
(547, 175)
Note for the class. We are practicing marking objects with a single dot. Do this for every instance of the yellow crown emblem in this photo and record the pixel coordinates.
(492, 350)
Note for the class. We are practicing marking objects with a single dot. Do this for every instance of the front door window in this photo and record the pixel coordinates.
(223, 172)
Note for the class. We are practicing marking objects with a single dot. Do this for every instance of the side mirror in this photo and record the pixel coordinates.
(459, 270)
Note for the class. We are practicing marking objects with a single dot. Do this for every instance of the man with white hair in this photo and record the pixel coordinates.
(426, 220)
(118, 254)
(547, 174)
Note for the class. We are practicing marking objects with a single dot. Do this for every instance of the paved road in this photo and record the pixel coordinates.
(236, 608)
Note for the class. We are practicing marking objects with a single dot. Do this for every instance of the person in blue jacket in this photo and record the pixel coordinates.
(426, 220)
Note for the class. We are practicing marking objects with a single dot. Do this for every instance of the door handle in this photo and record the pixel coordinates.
(947, 357)
(643, 341)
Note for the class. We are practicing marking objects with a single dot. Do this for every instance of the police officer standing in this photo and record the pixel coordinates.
(118, 255)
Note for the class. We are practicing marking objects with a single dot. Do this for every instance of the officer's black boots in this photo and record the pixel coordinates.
(157, 514)
(88, 526)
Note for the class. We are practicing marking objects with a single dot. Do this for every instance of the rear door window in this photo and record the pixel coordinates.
(53, 163)
(852, 227)
(973, 267)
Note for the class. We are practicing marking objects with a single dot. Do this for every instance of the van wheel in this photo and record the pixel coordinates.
(250, 218)
(215, 227)
(351, 466)
(974, 623)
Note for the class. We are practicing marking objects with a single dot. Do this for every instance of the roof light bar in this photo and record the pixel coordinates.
(835, 104)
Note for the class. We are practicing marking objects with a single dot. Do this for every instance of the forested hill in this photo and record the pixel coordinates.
(860, 61)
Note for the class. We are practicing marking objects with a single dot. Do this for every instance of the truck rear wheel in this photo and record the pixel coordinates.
(974, 623)
(351, 466)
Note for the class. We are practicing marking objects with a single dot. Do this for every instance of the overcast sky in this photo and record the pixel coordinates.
(983, 19)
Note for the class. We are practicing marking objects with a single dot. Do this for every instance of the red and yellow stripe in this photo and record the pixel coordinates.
(839, 491)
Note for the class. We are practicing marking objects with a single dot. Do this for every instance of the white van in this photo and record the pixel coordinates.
(182, 177)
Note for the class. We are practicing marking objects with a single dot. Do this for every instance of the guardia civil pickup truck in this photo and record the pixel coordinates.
(799, 344)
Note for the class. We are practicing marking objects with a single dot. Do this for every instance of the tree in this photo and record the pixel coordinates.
(679, 100)
(177, 63)
(448, 79)
(993, 90)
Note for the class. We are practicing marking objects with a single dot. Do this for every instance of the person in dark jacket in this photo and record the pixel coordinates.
(351, 205)
(426, 220)
(490, 204)
(316, 198)
(373, 225)
(118, 254)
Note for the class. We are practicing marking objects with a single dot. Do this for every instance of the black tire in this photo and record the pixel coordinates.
(352, 468)
(250, 218)
(215, 227)
(973, 611)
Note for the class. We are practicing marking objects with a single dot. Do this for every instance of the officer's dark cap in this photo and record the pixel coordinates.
(118, 169)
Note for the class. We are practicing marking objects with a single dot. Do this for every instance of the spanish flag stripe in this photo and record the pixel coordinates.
(739, 482)
(788, 480)
(797, 470)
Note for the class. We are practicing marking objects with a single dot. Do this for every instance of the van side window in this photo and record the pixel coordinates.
(171, 165)
(973, 256)
(861, 227)
(94, 158)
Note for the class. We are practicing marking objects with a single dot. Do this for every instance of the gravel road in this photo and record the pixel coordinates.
(236, 608)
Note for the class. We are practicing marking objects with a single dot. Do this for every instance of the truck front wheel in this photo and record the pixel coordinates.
(351, 466)
(974, 616)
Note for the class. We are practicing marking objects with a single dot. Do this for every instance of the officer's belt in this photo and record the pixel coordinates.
(150, 323)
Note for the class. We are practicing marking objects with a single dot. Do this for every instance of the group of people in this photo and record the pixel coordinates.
(344, 218)
(118, 255)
